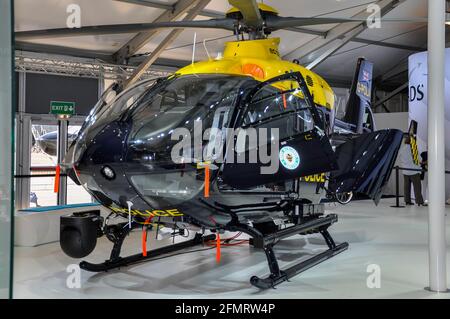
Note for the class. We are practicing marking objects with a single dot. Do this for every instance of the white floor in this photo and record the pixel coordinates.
(394, 239)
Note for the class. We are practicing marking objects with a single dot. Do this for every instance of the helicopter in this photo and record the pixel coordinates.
(47, 142)
(245, 143)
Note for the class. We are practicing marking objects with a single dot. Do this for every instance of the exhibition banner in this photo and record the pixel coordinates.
(418, 103)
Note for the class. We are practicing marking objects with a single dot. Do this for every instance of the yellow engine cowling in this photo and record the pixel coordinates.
(261, 60)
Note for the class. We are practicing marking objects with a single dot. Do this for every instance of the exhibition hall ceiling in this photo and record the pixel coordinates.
(47, 14)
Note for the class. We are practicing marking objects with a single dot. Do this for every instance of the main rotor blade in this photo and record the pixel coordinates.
(250, 12)
(276, 22)
(227, 24)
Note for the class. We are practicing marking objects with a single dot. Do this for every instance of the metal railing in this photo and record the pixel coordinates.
(41, 171)
(397, 182)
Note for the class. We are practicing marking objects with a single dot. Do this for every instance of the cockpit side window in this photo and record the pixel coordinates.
(368, 123)
(274, 106)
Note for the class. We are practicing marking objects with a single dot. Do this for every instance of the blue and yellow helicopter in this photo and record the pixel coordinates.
(124, 153)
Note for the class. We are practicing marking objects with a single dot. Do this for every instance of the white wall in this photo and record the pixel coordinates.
(392, 120)
(418, 105)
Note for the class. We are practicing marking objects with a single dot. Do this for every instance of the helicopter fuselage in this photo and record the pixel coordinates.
(124, 154)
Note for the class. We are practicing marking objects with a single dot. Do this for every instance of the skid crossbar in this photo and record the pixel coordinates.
(134, 259)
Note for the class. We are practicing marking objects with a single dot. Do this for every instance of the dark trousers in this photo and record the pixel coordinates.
(417, 185)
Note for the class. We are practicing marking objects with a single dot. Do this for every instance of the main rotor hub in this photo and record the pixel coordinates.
(254, 33)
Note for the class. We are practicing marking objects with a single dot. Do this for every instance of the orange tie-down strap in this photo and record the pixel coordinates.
(144, 235)
(205, 166)
(284, 101)
(218, 247)
(57, 178)
(206, 181)
(227, 242)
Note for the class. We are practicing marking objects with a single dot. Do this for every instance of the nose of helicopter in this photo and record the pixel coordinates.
(117, 167)
(101, 164)
(102, 147)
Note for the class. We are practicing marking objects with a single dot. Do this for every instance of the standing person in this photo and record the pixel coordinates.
(423, 175)
(424, 164)
(411, 177)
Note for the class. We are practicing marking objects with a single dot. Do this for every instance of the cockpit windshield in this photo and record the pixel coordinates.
(111, 105)
(109, 108)
(193, 105)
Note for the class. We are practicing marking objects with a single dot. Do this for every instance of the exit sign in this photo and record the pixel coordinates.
(62, 108)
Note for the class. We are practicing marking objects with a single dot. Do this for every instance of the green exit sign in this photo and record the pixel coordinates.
(62, 108)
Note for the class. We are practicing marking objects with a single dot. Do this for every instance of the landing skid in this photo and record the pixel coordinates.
(278, 276)
(259, 239)
(315, 223)
(116, 261)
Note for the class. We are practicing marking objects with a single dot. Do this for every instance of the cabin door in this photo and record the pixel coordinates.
(280, 136)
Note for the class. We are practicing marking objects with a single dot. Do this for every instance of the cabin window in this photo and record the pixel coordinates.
(280, 105)
(368, 123)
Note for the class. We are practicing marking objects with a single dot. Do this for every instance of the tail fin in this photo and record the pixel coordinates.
(360, 95)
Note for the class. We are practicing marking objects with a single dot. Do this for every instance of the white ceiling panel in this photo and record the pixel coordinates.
(47, 14)
(342, 64)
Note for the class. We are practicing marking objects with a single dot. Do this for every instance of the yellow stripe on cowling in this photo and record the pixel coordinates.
(261, 60)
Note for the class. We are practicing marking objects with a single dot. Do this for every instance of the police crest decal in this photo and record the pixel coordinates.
(289, 158)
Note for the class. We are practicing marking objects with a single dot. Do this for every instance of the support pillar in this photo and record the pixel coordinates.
(62, 150)
(436, 145)
(7, 109)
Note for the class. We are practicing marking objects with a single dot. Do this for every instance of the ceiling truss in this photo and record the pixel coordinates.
(33, 63)
(148, 61)
(172, 13)
(320, 48)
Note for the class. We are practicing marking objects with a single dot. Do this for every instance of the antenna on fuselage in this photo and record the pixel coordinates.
(130, 204)
(206, 49)
(193, 47)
